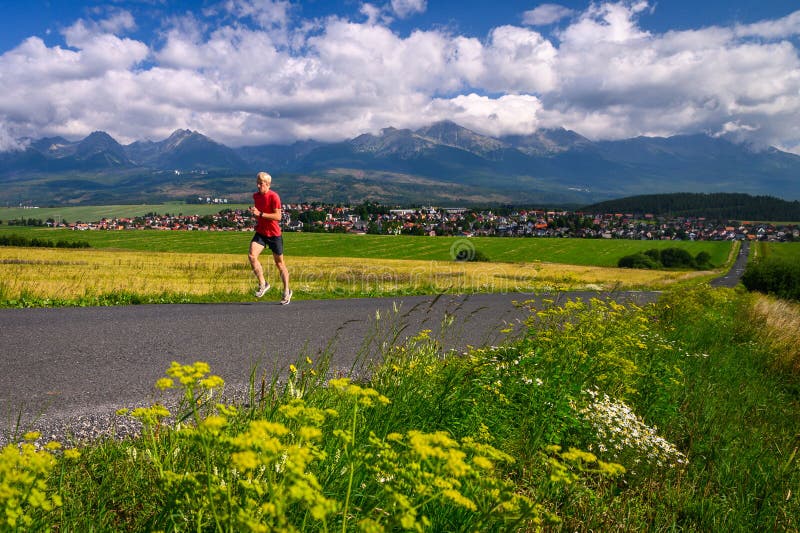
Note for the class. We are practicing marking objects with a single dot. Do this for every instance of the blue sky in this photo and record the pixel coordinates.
(248, 72)
(25, 18)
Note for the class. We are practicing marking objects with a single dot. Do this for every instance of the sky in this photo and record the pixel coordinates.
(250, 72)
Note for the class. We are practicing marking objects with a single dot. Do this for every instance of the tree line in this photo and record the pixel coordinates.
(18, 240)
(727, 206)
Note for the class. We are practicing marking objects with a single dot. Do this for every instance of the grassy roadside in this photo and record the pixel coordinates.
(602, 417)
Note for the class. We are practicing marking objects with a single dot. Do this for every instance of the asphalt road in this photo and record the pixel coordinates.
(58, 364)
(731, 278)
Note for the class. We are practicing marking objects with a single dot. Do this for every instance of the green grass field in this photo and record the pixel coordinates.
(789, 251)
(587, 252)
(94, 213)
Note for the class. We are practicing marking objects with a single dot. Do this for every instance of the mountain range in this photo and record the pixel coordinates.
(441, 163)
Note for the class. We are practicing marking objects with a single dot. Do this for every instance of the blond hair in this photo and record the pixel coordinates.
(263, 177)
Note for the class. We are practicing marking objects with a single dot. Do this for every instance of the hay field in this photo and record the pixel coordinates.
(44, 273)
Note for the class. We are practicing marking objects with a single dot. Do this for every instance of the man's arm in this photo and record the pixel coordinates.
(276, 215)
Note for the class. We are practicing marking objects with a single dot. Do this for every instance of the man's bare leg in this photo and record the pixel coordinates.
(283, 271)
(258, 270)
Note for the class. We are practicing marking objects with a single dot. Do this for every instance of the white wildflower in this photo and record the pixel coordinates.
(617, 426)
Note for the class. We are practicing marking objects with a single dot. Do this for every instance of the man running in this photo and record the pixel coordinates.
(267, 210)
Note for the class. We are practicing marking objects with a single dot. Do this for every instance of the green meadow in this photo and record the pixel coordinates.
(589, 252)
(789, 251)
(93, 213)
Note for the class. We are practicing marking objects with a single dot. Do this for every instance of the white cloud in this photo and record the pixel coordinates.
(100, 49)
(506, 115)
(257, 75)
(519, 61)
(617, 81)
(118, 22)
(788, 26)
(267, 14)
(9, 141)
(546, 14)
(406, 8)
(606, 23)
(373, 13)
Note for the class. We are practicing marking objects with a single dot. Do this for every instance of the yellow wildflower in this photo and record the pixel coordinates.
(227, 410)
(212, 382)
(72, 453)
(577, 455)
(459, 499)
(245, 461)
(213, 424)
(482, 462)
(309, 433)
(164, 383)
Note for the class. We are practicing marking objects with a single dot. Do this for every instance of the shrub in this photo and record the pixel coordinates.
(676, 258)
(654, 254)
(639, 260)
(666, 258)
(703, 259)
(773, 276)
(480, 256)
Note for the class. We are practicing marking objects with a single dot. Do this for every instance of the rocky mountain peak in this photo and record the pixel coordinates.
(449, 133)
(100, 142)
(181, 136)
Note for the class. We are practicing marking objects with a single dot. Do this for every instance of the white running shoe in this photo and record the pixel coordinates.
(287, 297)
(261, 291)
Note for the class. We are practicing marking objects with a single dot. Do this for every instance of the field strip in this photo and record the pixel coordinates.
(590, 252)
(66, 273)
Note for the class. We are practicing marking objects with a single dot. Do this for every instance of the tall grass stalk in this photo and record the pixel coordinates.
(780, 320)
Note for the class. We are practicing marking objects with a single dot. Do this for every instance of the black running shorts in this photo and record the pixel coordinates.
(275, 244)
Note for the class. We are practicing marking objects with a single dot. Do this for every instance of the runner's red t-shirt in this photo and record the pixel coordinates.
(267, 203)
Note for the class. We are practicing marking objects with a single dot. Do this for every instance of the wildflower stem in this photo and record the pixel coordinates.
(352, 468)
(209, 478)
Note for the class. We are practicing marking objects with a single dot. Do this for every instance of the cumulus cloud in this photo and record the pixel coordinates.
(519, 61)
(255, 73)
(785, 27)
(406, 8)
(266, 13)
(506, 115)
(112, 20)
(680, 82)
(546, 14)
(606, 23)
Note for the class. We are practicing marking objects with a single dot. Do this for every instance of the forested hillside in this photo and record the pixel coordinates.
(731, 206)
